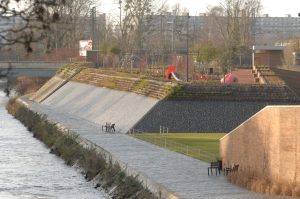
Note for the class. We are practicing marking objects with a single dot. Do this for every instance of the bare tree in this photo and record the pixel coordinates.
(136, 12)
(233, 22)
(25, 22)
(291, 51)
(74, 20)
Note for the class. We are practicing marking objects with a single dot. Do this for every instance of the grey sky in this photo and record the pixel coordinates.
(275, 8)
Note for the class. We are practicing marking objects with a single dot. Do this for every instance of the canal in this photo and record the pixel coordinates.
(29, 171)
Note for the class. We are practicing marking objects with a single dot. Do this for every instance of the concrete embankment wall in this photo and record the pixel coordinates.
(101, 105)
(46, 90)
(266, 146)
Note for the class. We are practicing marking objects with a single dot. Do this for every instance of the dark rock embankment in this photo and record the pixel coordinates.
(199, 116)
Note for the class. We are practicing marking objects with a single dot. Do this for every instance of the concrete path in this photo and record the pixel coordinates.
(183, 176)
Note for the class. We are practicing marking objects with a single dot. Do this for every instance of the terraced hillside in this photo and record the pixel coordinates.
(219, 92)
(133, 101)
(145, 87)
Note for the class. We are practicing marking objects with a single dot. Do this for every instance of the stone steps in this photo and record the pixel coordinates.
(151, 88)
(220, 92)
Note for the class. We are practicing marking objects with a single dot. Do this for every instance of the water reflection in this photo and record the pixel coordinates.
(28, 171)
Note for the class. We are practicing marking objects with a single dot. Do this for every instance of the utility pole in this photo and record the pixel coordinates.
(187, 48)
(173, 21)
(93, 17)
(253, 35)
(121, 30)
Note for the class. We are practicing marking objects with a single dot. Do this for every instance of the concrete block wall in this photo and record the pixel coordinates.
(266, 146)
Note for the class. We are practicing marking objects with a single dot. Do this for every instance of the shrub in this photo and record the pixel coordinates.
(89, 160)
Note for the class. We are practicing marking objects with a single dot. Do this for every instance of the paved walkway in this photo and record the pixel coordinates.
(244, 76)
(182, 175)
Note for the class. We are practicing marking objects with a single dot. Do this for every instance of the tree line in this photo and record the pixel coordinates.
(146, 29)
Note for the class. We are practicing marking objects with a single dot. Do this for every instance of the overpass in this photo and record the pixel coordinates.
(31, 64)
(30, 68)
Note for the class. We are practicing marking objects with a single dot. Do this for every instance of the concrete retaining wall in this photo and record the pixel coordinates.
(267, 146)
(47, 89)
(101, 105)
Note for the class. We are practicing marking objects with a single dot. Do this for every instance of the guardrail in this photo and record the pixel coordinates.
(159, 140)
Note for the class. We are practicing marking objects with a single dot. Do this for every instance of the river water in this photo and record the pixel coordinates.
(29, 171)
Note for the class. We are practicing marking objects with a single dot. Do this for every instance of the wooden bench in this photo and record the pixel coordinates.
(233, 168)
(217, 166)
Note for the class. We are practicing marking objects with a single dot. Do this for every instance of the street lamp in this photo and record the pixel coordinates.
(173, 23)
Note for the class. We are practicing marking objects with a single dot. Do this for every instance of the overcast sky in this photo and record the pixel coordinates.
(275, 8)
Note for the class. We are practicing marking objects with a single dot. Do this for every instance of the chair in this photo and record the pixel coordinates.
(107, 127)
(233, 168)
(217, 166)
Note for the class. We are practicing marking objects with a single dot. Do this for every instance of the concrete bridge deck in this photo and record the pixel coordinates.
(31, 64)
(182, 175)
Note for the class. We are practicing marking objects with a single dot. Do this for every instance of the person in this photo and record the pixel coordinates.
(7, 92)
(113, 127)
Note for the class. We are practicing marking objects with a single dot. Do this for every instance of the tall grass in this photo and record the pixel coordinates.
(94, 165)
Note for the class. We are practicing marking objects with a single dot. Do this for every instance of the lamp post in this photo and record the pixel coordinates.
(93, 17)
(121, 31)
(187, 48)
(172, 42)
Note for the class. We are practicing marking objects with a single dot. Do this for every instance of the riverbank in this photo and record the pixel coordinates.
(29, 171)
(97, 166)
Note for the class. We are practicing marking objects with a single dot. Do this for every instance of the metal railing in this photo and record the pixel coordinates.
(163, 129)
(159, 140)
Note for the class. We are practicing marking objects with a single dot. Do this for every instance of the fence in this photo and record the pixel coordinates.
(163, 129)
(159, 140)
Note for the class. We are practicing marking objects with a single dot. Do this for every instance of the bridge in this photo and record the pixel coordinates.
(31, 64)
(30, 68)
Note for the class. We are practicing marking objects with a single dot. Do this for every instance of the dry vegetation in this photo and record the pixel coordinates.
(260, 185)
(26, 85)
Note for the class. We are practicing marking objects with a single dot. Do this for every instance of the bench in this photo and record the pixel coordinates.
(217, 166)
(233, 168)
(109, 127)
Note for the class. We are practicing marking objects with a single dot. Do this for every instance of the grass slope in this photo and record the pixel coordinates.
(204, 146)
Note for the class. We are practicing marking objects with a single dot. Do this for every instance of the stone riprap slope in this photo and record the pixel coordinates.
(101, 105)
(292, 78)
(234, 92)
(199, 116)
(149, 88)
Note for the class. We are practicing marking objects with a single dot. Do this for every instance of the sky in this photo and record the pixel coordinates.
(275, 8)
